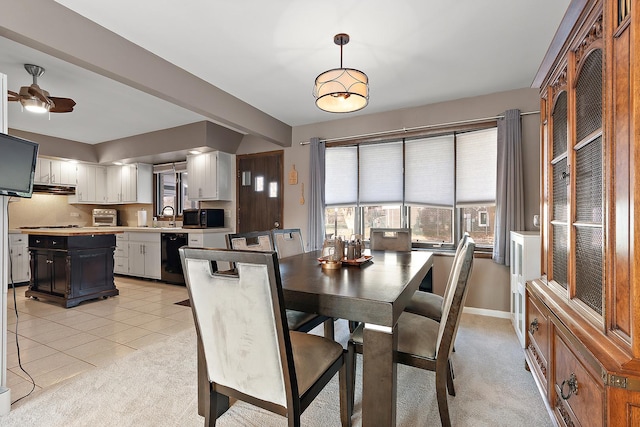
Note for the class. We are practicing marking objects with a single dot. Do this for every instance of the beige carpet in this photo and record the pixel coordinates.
(156, 386)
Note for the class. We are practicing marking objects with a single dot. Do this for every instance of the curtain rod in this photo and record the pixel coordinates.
(411, 129)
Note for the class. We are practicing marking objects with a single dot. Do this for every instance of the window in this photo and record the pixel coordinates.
(171, 188)
(439, 186)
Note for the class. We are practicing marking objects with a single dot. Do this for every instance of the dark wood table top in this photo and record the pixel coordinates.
(376, 292)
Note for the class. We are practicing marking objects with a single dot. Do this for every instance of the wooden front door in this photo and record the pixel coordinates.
(259, 183)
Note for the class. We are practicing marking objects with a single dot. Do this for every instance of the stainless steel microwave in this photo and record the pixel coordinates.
(203, 218)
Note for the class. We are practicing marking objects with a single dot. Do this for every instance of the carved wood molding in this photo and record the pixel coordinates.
(594, 34)
(563, 412)
(539, 360)
(560, 82)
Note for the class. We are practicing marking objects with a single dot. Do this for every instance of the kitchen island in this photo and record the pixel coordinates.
(71, 265)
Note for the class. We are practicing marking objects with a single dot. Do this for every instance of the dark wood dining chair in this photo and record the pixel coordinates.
(425, 343)
(263, 241)
(429, 304)
(250, 353)
(390, 239)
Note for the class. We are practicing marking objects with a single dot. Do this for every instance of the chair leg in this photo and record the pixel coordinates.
(450, 386)
(329, 331)
(346, 408)
(441, 393)
(351, 376)
(211, 413)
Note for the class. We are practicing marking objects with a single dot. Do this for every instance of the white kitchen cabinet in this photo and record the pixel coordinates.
(121, 254)
(525, 265)
(130, 183)
(209, 176)
(19, 257)
(91, 186)
(144, 255)
(54, 172)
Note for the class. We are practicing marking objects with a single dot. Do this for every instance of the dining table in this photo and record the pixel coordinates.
(375, 292)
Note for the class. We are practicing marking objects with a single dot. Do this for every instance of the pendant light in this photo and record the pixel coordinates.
(341, 90)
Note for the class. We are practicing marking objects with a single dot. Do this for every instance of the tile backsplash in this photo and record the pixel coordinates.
(50, 209)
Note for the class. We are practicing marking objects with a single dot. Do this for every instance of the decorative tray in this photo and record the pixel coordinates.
(359, 261)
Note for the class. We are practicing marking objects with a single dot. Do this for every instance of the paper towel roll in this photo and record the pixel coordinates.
(142, 218)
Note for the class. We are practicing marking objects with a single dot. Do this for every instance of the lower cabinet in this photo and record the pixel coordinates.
(19, 257)
(138, 254)
(583, 382)
(71, 269)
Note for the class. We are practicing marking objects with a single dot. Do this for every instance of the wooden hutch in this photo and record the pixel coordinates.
(583, 314)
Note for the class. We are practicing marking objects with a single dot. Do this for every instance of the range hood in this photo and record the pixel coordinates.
(54, 189)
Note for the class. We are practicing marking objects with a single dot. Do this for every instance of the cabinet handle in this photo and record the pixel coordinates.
(572, 383)
(533, 327)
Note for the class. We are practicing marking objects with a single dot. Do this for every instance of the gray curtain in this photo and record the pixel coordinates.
(509, 185)
(316, 194)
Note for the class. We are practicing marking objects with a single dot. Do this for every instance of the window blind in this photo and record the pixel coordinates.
(341, 176)
(180, 167)
(476, 160)
(429, 171)
(381, 167)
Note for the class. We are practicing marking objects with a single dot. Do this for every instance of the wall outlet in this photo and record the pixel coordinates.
(75, 214)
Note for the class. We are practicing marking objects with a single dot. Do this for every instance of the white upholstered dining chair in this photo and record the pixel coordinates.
(249, 351)
(263, 241)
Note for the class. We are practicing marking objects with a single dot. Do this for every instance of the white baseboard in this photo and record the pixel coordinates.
(486, 312)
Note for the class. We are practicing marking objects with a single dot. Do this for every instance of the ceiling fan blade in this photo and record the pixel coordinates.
(12, 96)
(62, 105)
(34, 90)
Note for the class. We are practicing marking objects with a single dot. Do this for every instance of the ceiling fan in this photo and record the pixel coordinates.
(38, 100)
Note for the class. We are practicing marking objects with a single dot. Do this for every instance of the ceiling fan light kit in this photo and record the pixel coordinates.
(37, 100)
(341, 90)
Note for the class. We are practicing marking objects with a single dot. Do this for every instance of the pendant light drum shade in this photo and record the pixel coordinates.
(341, 90)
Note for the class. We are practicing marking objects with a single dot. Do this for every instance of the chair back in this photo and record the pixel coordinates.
(241, 322)
(390, 239)
(251, 241)
(454, 299)
(288, 242)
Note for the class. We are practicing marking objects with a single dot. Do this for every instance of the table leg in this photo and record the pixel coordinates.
(379, 376)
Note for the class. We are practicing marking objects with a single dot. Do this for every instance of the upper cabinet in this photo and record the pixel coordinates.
(209, 176)
(114, 184)
(92, 184)
(54, 172)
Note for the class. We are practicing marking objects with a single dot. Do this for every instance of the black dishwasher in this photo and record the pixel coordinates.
(171, 268)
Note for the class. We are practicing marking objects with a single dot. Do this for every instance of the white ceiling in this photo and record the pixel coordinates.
(415, 52)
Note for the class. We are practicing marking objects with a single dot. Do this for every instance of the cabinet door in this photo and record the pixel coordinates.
(100, 194)
(136, 259)
(195, 171)
(19, 263)
(82, 189)
(43, 171)
(68, 173)
(114, 184)
(152, 260)
(41, 269)
(579, 395)
(129, 183)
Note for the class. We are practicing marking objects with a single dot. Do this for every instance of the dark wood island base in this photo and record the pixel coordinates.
(71, 267)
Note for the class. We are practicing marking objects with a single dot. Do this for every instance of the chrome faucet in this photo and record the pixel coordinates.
(173, 214)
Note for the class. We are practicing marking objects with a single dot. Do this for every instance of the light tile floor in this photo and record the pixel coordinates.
(56, 343)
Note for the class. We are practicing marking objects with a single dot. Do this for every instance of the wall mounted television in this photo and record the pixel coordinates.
(17, 165)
